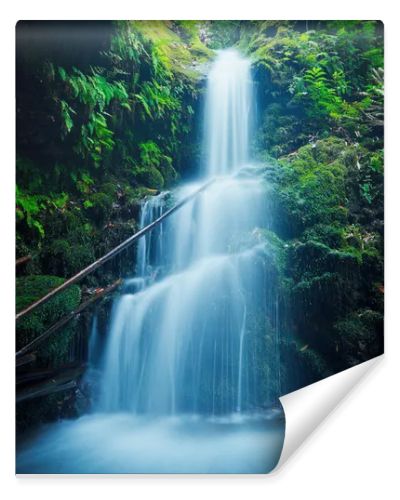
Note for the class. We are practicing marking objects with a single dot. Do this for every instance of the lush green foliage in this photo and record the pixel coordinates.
(117, 116)
(29, 207)
(327, 80)
(95, 93)
(320, 86)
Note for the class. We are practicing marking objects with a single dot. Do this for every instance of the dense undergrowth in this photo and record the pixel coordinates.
(320, 87)
(103, 123)
(98, 127)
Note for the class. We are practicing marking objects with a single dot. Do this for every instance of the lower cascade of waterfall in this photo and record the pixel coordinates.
(178, 343)
(187, 380)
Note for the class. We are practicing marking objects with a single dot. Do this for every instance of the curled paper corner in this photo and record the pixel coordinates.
(308, 407)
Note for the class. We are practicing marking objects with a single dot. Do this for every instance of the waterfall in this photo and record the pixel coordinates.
(228, 113)
(94, 348)
(188, 370)
(179, 344)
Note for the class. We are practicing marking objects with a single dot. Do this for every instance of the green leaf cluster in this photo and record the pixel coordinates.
(96, 93)
(332, 73)
(30, 206)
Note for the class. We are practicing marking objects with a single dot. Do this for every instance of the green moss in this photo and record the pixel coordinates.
(167, 45)
(149, 177)
(310, 289)
(280, 131)
(155, 169)
(110, 188)
(330, 235)
(28, 290)
(100, 206)
(169, 174)
(70, 242)
(313, 258)
(312, 183)
(135, 195)
(313, 362)
(65, 257)
(150, 154)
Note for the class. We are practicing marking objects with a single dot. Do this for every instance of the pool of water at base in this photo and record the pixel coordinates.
(123, 443)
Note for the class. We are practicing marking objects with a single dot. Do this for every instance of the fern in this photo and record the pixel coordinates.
(28, 208)
(96, 93)
(157, 99)
(315, 76)
(66, 111)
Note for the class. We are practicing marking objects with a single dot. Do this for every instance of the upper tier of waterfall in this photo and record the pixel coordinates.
(229, 96)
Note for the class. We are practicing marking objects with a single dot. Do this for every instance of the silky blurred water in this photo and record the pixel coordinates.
(179, 374)
(125, 443)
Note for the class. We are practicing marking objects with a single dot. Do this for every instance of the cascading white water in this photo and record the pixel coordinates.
(183, 356)
(179, 345)
(228, 113)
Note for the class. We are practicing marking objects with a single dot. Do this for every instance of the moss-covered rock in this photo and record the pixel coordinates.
(280, 131)
(177, 57)
(313, 258)
(149, 177)
(330, 235)
(99, 206)
(312, 183)
(65, 258)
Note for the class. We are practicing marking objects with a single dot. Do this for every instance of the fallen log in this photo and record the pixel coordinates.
(63, 381)
(115, 251)
(45, 391)
(24, 360)
(39, 374)
(23, 260)
(63, 321)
